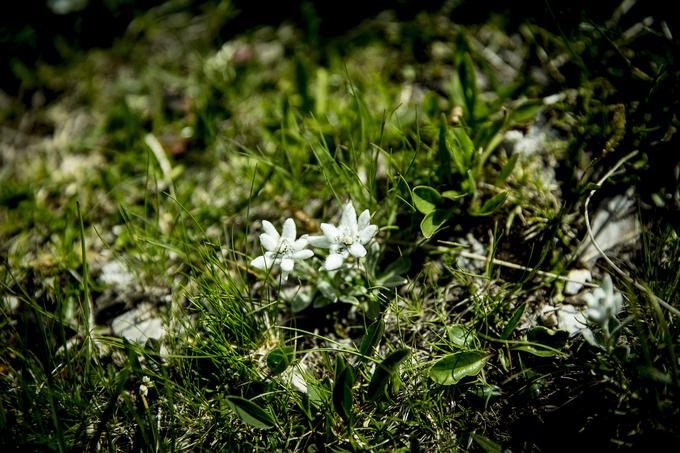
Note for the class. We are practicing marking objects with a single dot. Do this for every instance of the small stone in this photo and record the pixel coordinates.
(571, 319)
(138, 325)
(116, 273)
(577, 278)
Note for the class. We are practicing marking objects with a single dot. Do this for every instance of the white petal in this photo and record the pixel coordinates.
(357, 250)
(288, 230)
(301, 243)
(302, 254)
(333, 262)
(367, 233)
(287, 265)
(259, 263)
(595, 315)
(330, 231)
(270, 230)
(364, 219)
(590, 300)
(272, 258)
(349, 217)
(319, 241)
(269, 243)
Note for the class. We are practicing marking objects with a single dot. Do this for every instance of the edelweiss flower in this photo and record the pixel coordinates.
(346, 239)
(603, 302)
(282, 249)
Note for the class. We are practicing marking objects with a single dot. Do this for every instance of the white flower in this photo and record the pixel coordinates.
(348, 238)
(603, 303)
(282, 249)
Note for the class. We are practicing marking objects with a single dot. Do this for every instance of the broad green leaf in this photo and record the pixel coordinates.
(549, 337)
(486, 444)
(301, 301)
(319, 392)
(249, 412)
(384, 371)
(514, 320)
(342, 391)
(453, 195)
(461, 336)
(487, 391)
(463, 141)
(433, 221)
(468, 82)
(452, 368)
(443, 154)
(393, 273)
(425, 199)
(526, 112)
(543, 342)
(462, 150)
(392, 281)
(537, 350)
(507, 169)
(373, 335)
(280, 358)
(399, 266)
(492, 204)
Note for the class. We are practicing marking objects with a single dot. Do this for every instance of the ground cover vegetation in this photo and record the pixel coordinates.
(443, 229)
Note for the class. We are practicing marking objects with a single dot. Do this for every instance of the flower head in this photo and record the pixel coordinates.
(348, 238)
(281, 249)
(603, 302)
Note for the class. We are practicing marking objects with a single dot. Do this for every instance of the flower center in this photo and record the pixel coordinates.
(346, 239)
(284, 247)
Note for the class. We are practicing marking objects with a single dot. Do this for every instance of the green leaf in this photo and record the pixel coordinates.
(507, 169)
(433, 221)
(373, 335)
(543, 342)
(463, 141)
(425, 199)
(526, 112)
(486, 444)
(399, 266)
(319, 392)
(443, 154)
(453, 195)
(392, 276)
(384, 371)
(487, 391)
(280, 358)
(537, 350)
(492, 204)
(392, 281)
(514, 320)
(301, 301)
(461, 336)
(462, 150)
(342, 390)
(549, 337)
(249, 412)
(452, 368)
(468, 82)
